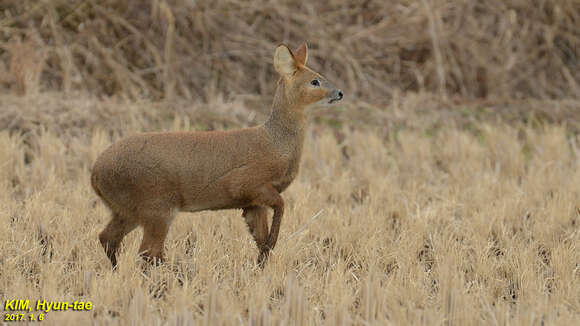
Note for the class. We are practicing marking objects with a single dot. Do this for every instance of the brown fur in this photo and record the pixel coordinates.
(147, 178)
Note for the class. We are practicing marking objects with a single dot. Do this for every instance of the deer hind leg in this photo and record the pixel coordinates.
(113, 234)
(155, 229)
(257, 219)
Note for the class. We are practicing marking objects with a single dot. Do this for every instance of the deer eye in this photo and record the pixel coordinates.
(315, 82)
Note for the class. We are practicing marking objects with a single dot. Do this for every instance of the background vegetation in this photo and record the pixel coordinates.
(442, 190)
(193, 49)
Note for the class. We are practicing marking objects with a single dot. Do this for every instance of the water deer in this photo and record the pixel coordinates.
(146, 179)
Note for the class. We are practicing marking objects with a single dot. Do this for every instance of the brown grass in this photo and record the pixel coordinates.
(443, 191)
(463, 222)
(195, 49)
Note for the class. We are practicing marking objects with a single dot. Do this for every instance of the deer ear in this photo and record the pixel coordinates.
(301, 54)
(284, 61)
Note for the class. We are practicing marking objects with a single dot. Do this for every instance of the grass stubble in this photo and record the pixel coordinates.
(465, 224)
(413, 210)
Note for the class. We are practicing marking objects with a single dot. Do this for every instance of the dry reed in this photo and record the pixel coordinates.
(193, 49)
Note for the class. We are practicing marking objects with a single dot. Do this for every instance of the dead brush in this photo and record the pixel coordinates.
(190, 49)
(27, 58)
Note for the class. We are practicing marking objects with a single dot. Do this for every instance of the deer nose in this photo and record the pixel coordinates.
(339, 94)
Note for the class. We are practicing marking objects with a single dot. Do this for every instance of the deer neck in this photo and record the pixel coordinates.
(287, 122)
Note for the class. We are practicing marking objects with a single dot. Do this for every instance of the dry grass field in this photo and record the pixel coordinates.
(467, 221)
(443, 190)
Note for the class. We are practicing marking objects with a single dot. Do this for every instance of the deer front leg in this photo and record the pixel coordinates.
(268, 196)
(257, 219)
